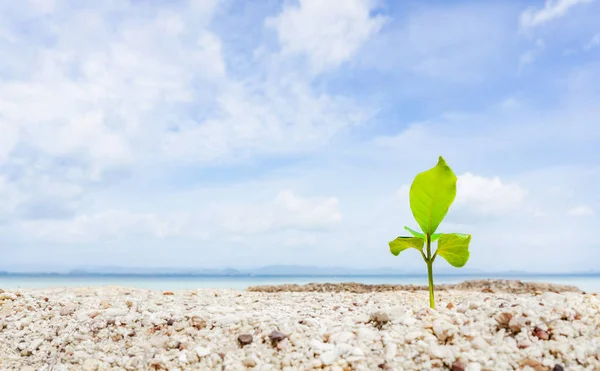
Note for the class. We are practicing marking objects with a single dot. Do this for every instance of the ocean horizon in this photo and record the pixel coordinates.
(586, 282)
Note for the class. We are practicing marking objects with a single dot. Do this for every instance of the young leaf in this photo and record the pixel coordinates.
(431, 194)
(454, 247)
(434, 236)
(402, 243)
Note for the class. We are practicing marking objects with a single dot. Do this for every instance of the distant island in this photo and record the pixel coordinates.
(268, 271)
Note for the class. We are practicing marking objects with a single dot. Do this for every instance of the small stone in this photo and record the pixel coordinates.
(479, 343)
(7, 296)
(449, 306)
(537, 366)
(198, 323)
(458, 366)
(93, 314)
(114, 312)
(179, 326)
(202, 351)
(170, 322)
(504, 319)
(167, 293)
(98, 325)
(35, 345)
(516, 324)
(245, 339)
(249, 362)
(276, 336)
(390, 351)
(328, 358)
(315, 363)
(90, 364)
(67, 310)
(558, 367)
(104, 304)
(379, 319)
(474, 366)
(129, 303)
(540, 334)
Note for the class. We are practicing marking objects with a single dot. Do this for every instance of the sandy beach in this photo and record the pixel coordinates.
(498, 326)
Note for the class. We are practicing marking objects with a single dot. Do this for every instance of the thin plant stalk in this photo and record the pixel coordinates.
(429, 262)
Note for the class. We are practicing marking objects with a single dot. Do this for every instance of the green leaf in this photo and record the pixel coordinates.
(402, 243)
(434, 236)
(454, 247)
(431, 194)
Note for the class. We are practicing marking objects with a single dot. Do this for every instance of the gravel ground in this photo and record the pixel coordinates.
(113, 328)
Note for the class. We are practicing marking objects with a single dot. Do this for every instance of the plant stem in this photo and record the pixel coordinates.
(429, 262)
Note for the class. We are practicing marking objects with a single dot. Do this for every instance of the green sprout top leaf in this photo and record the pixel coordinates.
(431, 194)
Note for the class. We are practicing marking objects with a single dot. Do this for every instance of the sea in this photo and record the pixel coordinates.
(587, 283)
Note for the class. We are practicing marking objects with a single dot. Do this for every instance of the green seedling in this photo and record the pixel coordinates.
(431, 194)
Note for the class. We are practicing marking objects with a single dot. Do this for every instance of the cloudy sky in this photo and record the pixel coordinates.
(207, 133)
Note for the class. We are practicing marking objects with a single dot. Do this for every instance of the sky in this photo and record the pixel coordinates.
(231, 133)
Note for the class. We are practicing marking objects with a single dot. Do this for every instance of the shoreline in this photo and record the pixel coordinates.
(106, 328)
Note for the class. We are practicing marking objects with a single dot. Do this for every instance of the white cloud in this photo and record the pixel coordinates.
(328, 32)
(281, 117)
(481, 196)
(151, 88)
(8, 139)
(103, 226)
(488, 196)
(43, 6)
(286, 211)
(97, 94)
(10, 198)
(552, 9)
(581, 211)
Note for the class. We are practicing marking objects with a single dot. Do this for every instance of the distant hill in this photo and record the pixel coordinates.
(271, 270)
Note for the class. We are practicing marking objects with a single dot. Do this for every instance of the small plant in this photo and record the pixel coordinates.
(431, 194)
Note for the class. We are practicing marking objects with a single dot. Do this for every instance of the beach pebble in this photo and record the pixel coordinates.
(276, 336)
(249, 362)
(541, 334)
(458, 366)
(245, 339)
(202, 351)
(90, 364)
(68, 309)
(7, 296)
(328, 357)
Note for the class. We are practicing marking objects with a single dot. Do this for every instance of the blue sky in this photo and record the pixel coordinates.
(207, 133)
